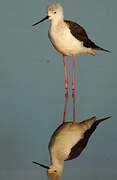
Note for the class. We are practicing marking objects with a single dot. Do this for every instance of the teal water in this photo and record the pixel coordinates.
(32, 89)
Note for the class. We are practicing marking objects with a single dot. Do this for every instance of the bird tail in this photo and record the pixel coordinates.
(101, 49)
(103, 119)
(94, 46)
(98, 122)
(94, 126)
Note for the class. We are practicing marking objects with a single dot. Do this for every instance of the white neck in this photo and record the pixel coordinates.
(58, 20)
(58, 164)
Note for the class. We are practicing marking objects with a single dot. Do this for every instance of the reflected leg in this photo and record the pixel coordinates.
(66, 99)
(73, 81)
(73, 96)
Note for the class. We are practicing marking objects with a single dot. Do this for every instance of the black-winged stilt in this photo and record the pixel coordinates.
(67, 143)
(69, 38)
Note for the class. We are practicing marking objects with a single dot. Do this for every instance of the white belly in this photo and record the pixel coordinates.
(65, 42)
(62, 142)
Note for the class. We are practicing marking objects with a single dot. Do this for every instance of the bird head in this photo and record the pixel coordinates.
(54, 173)
(54, 13)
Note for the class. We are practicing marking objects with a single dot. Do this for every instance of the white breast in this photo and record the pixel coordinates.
(63, 141)
(64, 41)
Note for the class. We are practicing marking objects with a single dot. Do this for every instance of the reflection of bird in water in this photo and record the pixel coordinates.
(67, 142)
(68, 37)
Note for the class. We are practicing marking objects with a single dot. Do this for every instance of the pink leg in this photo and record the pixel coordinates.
(73, 82)
(66, 77)
(66, 99)
(73, 96)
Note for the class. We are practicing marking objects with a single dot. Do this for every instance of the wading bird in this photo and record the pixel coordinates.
(67, 143)
(69, 38)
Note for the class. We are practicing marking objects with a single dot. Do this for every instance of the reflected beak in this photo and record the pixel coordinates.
(41, 21)
(46, 167)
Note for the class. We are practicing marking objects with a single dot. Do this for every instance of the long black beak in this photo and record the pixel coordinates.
(41, 20)
(47, 167)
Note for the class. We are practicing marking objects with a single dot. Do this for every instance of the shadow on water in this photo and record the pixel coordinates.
(68, 141)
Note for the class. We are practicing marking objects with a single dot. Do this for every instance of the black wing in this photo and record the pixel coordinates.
(79, 33)
(79, 147)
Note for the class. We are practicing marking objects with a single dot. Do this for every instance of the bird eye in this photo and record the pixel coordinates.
(54, 170)
(54, 12)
